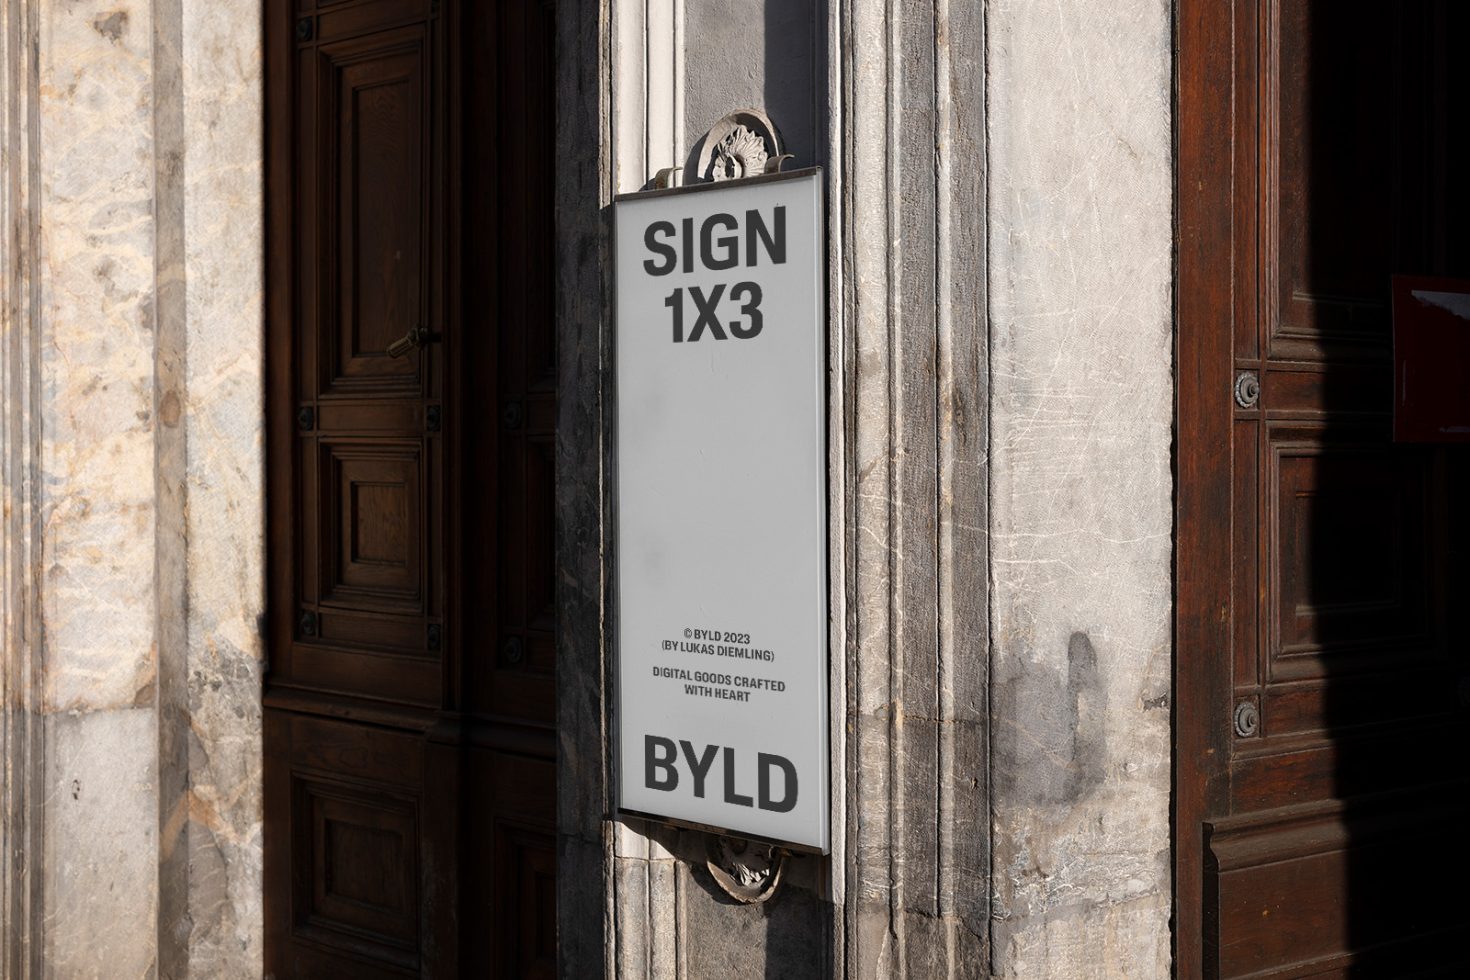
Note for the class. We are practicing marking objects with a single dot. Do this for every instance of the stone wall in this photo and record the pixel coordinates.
(133, 490)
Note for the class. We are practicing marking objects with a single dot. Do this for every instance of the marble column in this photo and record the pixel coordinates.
(132, 462)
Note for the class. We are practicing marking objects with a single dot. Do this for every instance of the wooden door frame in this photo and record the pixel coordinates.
(1205, 242)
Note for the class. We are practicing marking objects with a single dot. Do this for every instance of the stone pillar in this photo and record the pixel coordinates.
(132, 463)
(1081, 403)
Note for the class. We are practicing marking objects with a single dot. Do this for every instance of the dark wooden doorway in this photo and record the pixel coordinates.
(1320, 710)
(410, 700)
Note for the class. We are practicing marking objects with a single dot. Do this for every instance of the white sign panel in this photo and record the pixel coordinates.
(721, 507)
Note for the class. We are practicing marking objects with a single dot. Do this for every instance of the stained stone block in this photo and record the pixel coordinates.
(100, 865)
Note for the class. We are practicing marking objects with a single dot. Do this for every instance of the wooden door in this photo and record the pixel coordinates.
(1322, 569)
(409, 703)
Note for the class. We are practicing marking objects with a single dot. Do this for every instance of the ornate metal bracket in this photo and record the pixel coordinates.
(742, 144)
(748, 872)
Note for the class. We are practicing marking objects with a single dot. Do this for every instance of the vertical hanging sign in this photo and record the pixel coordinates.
(721, 545)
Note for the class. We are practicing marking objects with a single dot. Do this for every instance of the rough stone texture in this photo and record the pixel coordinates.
(134, 571)
(786, 938)
(1081, 398)
(585, 887)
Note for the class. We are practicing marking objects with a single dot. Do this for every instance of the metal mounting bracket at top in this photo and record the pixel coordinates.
(774, 165)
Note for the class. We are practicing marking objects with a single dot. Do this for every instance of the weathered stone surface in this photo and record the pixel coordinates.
(100, 865)
(786, 938)
(1081, 398)
(222, 253)
(585, 876)
(94, 160)
(92, 153)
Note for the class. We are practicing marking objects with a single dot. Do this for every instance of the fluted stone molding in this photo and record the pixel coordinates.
(645, 83)
(132, 460)
(910, 299)
(21, 740)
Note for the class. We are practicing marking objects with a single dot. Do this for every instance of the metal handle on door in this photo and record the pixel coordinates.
(416, 337)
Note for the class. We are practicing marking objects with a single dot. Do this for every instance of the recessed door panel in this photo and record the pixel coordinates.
(373, 119)
(376, 513)
(1354, 554)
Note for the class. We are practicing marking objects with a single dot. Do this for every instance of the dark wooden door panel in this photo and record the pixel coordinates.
(508, 793)
(1319, 676)
(368, 178)
(1355, 552)
(343, 878)
(360, 848)
(375, 123)
(1290, 901)
(410, 742)
(510, 594)
(374, 519)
